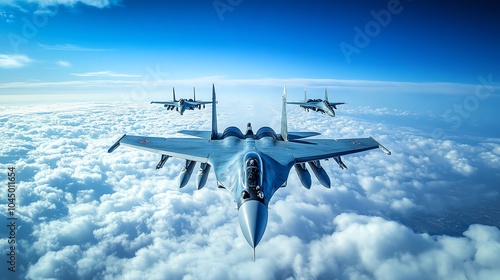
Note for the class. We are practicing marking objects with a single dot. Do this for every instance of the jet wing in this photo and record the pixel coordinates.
(319, 149)
(215, 153)
(194, 149)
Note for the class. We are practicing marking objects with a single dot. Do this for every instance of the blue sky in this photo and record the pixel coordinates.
(421, 57)
(419, 42)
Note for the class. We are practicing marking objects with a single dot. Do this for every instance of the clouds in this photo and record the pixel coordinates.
(374, 247)
(8, 17)
(85, 213)
(14, 60)
(105, 74)
(70, 47)
(63, 63)
(47, 3)
(157, 79)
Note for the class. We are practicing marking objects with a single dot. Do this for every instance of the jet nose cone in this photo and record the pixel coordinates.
(330, 112)
(253, 221)
(328, 109)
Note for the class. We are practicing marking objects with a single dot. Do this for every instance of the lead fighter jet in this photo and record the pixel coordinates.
(182, 104)
(318, 105)
(251, 166)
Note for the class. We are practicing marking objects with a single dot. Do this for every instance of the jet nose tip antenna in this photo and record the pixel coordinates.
(253, 220)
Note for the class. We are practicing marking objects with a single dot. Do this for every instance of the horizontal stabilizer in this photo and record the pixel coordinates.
(305, 142)
(197, 133)
(300, 135)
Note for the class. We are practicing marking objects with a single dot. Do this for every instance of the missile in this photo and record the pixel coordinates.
(340, 162)
(186, 173)
(384, 149)
(320, 173)
(162, 161)
(201, 177)
(304, 175)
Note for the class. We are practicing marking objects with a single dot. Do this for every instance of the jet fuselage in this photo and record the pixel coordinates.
(252, 178)
(322, 106)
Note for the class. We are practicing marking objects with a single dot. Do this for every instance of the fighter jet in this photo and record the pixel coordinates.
(252, 166)
(318, 105)
(182, 104)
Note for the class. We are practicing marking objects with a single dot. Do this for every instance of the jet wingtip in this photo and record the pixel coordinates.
(381, 147)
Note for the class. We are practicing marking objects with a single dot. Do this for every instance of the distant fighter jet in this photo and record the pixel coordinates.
(318, 105)
(251, 166)
(182, 104)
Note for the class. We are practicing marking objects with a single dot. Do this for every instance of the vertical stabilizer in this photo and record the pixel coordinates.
(305, 95)
(284, 125)
(173, 94)
(214, 114)
(194, 94)
(326, 94)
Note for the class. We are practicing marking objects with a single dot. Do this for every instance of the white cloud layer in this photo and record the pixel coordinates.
(13, 60)
(428, 211)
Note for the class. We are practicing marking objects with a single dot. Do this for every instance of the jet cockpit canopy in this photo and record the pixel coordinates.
(253, 177)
